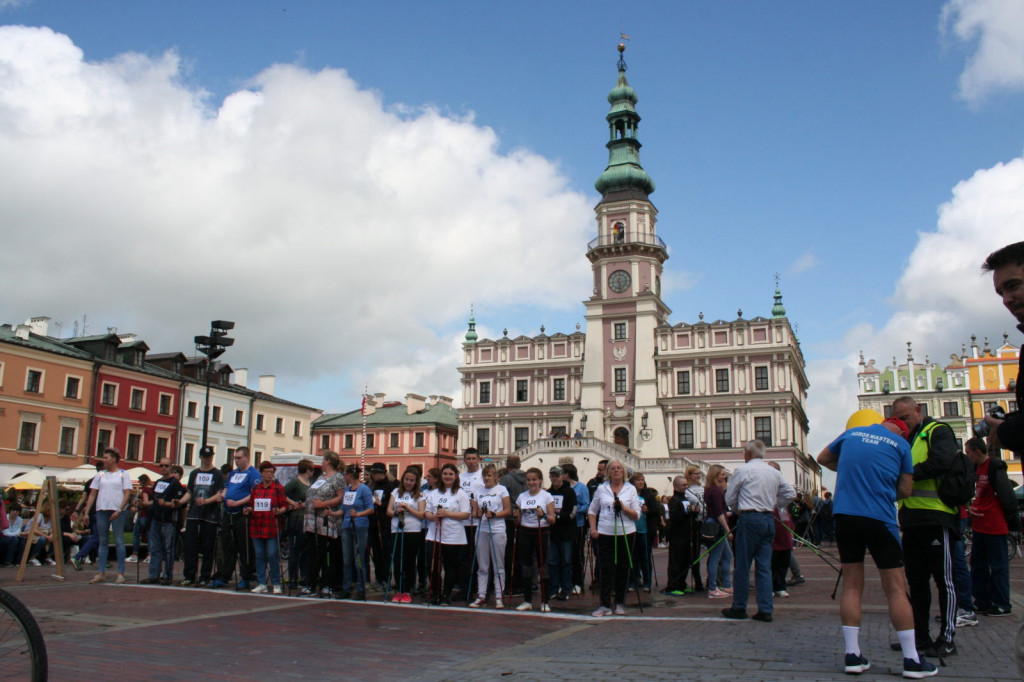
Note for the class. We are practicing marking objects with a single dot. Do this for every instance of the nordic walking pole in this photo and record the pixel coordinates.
(515, 560)
(540, 561)
(821, 554)
(708, 550)
(435, 562)
(401, 556)
(629, 557)
(391, 562)
(497, 571)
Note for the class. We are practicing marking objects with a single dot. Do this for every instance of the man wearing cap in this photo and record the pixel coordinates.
(874, 468)
(379, 533)
(204, 489)
(234, 525)
(562, 534)
(163, 524)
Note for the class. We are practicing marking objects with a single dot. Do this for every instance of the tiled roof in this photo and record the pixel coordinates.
(439, 414)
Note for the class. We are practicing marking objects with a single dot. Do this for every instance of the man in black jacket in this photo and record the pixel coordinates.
(678, 532)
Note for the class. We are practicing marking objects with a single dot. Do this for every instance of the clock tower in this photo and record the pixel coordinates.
(619, 383)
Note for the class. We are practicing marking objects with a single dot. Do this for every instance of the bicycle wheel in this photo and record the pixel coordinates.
(22, 648)
(1013, 545)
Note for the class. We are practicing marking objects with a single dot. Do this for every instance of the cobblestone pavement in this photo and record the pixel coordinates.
(163, 633)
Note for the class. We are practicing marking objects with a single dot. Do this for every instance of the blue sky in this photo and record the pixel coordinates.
(820, 141)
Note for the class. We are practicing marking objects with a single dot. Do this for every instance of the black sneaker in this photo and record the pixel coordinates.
(996, 611)
(187, 582)
(763, 617)
(150, 581)
(734, 614)
(940, 649)
(307, 592)
(856, 664)
(360, 596)
(799, 580)
(918, 670)
(203, 583)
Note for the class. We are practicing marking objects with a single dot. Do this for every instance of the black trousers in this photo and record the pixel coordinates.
(613, 553)
(679, 558)
(379, 539)
(579, 548)
(326, 569)
(467, 557)
(533, 550)
(444, 559)
(235, 546)
(200, 538)
(780, 566)
(927, 556)
(406, 551)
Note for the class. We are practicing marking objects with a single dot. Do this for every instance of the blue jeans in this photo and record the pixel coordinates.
(755, 533)
(140, 528)
(353, 550)
(990, 571)
(720, 555)
(266, 550)
(161, 549)
(560, 566)
(103, 527)
(961, 574)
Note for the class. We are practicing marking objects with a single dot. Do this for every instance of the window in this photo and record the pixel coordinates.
(393, 471)
(371, 441)
(485, 392)
(760, 378)
(763, 430)
(67, 440)
(558, 432)
(297, 428)
(483, 441)
(1011, 406)
(522, 436)
(887, 411)
(190, 453)
(558, 389)
(216, 414)
(989, 404)
(103, 438)
(522, 390)
(165, 402)
(239, 418)
(138, 399)
(348, 441)
(161, 447)
(279, 425)
(685, 434)
(683, 382)
(721, 381)
(72, 386)
(190, 409)
(34, 381)
(393, 440)
(259, 422)
(108, 395)
(231, 454)
(723, 433)
(950, 409)
(924, 409)
(325, 442)
(620, 331)
(620, 380)
(27, 442)
(257, 457)
(417, 439)
(134, 446)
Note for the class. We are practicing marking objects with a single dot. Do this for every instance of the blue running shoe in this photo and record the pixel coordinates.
(856, 664)
(918, 671)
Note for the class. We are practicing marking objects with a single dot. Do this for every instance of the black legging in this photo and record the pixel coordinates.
(327, 570)
(614, 561)
(533, 546)
(406, 550)
(443, 558)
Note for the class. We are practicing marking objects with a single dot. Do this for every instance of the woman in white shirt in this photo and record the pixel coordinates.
(535, 512)
(110, 492)
(613, 513)
(447, 506)
(407, 509)
(492, 505)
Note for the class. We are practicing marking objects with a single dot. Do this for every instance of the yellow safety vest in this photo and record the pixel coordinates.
(926, 492)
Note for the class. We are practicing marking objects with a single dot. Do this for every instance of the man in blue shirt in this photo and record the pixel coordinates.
(234, 529)
(579, 544)
(873, 469)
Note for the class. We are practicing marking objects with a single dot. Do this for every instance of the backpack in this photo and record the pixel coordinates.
(956, 487)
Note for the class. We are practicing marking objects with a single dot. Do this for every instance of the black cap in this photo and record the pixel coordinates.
(206, 451)
(378, 468)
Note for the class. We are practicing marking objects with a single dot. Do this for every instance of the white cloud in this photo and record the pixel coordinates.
(803, 263)
(940, 299)
(342, 237)
(997, 28)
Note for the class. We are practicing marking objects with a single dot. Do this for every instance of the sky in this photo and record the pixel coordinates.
(346, 180)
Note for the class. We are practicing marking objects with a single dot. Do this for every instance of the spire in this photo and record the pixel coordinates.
(471, 336)
(778, 310)
(624, 171)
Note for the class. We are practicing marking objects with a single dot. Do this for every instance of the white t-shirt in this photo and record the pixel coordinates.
(529, 504)
(490, 499)
(471, 483)
(603, 506)
(110, 487)
(412, 524)
(452, 531)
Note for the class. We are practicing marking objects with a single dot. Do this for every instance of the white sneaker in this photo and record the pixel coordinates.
(498, 604)
(601, 612)
(577, 589)
(782, 594)
(525, 606)
(146, 560)
(478, 602)
(34, 562)
(51, 562)
(132, 559)
(259, 589)
(544, 608)
(620, 610)
(88, 561)
(278, 590)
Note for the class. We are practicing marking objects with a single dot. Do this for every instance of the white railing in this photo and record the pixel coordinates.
(632, 458)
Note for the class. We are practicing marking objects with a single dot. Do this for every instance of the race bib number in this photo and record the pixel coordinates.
(558, 502)
(204, 479)
(350, 498)
(378, 495)
(531, 503)
(319, 483)
(261, 504)
(238, 478)
(441, 502)
(160, 487)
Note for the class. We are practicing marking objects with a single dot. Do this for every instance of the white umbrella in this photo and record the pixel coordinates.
(80, 474)
(34, 477)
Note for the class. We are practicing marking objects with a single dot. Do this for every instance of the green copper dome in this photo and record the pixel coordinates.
(471, 335)
(778, 310)
(624, 171)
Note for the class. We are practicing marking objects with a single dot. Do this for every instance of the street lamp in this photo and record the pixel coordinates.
(212, 346)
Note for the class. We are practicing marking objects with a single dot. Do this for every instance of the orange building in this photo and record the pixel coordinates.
(993, 381)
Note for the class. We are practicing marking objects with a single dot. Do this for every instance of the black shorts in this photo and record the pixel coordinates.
(854, 534)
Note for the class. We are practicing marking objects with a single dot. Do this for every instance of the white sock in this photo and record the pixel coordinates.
(852, 636)
(907, 642)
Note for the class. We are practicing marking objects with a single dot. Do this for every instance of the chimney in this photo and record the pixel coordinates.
(241, 377)
(39, 325)
(414, 403)
(378, 399)
(444, 400)
(126, 338)
(267, 384)
(22, 331)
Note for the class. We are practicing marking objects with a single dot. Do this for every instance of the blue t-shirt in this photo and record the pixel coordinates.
(582, 503)
(239, 485)
(357, 500)
(871, 458)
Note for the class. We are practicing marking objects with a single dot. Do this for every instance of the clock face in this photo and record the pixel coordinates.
(619, 281)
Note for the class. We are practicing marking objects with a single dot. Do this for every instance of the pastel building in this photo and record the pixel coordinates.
(276, 425)
(993, 380)
(632, 386)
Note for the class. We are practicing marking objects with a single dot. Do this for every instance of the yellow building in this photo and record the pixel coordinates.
(993, 381)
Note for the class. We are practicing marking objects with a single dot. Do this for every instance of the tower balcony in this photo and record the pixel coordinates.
(627, 243)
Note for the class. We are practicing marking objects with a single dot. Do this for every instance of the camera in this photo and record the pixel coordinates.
(982, 429)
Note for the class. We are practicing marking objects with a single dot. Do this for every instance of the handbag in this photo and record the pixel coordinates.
(709, 531)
